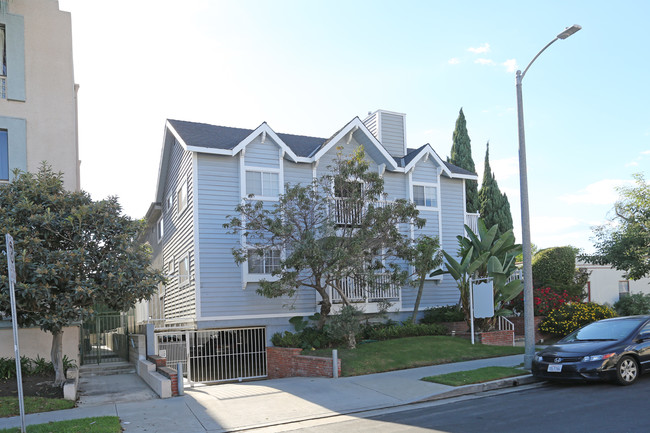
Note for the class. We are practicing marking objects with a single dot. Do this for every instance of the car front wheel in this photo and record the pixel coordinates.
(627, 370)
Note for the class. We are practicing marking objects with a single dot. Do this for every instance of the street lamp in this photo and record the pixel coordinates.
(529, 314)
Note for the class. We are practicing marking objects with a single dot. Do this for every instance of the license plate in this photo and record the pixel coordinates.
(554, 368)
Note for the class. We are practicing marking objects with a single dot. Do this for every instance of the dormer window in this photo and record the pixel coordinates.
(262, 184)
(425, 195)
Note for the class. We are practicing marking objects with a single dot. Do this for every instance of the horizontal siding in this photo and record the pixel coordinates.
(371, 124)
(179, 236)
(222, 289)
(260, 154)
(425, 172)
(297, 173)
(392, 133)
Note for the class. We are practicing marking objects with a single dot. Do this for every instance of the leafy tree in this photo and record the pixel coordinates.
(338, 228)
(425, 258)
(556, 268)
(632, 305)
(493, 205)
(461, 156)
(485, 255)
(625, 244)
(71, 253)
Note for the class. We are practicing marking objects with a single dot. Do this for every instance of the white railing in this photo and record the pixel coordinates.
(358, 289)
(350, 212)
(471, 220)
(504, 324)
(516, 275)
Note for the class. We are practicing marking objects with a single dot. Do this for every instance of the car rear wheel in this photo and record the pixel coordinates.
(627, 370)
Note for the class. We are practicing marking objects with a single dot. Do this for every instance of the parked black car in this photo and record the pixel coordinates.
(612, 349)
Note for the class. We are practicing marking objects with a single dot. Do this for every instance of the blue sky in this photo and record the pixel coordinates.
(308, 67)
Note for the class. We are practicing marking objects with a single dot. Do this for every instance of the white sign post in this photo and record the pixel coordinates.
(481, 300)
(11, 268)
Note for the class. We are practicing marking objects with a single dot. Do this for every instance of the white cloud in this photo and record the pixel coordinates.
(453, 61)
(602, 192)
(482, 61)
(503, 169)
(645, 152)
(510, 65)
(485, 48)
(632, 164)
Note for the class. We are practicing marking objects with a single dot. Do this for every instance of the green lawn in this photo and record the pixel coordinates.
(411, 352)
(9, 405)
(104, 424)
(479, 375)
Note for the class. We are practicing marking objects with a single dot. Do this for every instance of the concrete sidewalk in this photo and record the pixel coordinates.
(238, 406)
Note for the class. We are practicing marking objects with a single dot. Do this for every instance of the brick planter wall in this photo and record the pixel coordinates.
(288, 362)
(168, 372)
(519, 327)
(496, 338)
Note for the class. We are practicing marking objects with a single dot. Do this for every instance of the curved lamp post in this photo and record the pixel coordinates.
(529, 314)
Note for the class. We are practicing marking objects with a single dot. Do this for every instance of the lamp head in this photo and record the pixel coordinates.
(569, 31)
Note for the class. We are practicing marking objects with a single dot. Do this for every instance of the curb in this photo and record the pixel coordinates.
(482, 387)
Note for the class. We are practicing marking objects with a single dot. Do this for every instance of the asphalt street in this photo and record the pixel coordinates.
(592, 407)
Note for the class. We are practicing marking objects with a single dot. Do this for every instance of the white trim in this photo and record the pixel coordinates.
(356, 122)
(180, 186)
(428, 151)
(177, 136)
(256, 316)
(196, 234)
(160, 233)
(281, 172)
(180, 284)
(265, 128)
(427, 185)
(254, 169)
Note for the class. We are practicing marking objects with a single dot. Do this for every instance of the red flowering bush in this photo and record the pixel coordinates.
(544, 301)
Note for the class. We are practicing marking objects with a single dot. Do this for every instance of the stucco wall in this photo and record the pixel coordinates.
(50, 106)
(35, 342)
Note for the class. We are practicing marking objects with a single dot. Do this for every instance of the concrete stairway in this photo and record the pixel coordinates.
(107, 369)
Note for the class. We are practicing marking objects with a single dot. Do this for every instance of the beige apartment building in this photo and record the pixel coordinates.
(38, 95)
(38, 121)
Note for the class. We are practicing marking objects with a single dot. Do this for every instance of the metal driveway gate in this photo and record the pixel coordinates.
(104, 338)
(216, 355)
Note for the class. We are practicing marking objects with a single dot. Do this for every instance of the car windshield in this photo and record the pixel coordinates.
(604, 330)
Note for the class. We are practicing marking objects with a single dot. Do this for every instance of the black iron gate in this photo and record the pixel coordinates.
(104, 338)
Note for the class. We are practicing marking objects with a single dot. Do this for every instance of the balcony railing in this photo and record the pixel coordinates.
(471, 220)
(360, 289)
(349, 212)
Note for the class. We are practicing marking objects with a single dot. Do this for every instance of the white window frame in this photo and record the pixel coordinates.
(256, 276)
(624, 287)
(184, 279)
(182, 204)
(160, 229)
(169, 203)
(262, 171)
(426, 185)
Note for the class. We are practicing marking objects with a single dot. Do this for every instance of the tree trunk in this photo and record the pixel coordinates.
(325, 308)
(418, 299)
(57, 358)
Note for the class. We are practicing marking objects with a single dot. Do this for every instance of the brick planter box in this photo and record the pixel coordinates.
(288, 362)
(519, 327)
(491, 338)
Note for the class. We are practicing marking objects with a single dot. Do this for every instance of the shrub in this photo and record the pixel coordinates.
(345, 326)
(391, 331)
(637, 303)
(448, 313)
(570, 317)
(29, 367)
(556, 268)
(545, 300)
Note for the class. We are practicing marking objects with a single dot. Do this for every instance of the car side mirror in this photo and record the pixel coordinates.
(644, 336)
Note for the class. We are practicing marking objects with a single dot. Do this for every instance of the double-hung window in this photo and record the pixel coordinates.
(181, 197)
(262, 184)
(184, 271)
(160, 229)
(425, 195)
(264, 263)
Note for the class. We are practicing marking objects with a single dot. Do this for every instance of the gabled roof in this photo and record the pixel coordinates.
(450, 170)
(226, 140)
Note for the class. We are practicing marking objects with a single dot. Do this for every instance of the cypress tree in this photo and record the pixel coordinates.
(493, 205)
(461, 156)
